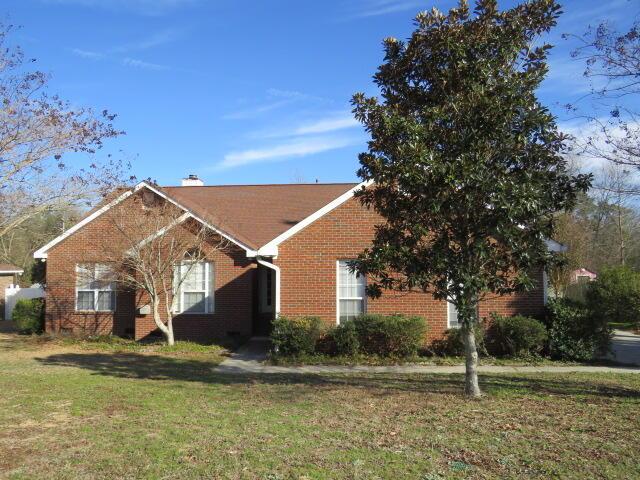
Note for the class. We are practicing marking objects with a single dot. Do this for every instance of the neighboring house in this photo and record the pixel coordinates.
(582, 275)
(8, 276)
(288, 254)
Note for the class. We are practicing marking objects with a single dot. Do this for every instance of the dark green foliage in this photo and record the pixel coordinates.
(615, 295)
(295, 336)
(468, 166)
(515, 336)
(390, 335)
(453, 344)
(383, 335)
(28, 315)
(574, 332)
(344, 338)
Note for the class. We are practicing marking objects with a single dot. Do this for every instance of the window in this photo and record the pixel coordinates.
(195, 287)
(95, 288)
(452, 316)
(351, 293)
(266, 289)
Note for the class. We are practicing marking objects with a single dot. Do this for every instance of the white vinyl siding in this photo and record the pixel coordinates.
(196, 287)
(351, 293)
(95, 288)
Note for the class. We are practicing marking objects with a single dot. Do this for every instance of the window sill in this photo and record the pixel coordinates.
(92, 312)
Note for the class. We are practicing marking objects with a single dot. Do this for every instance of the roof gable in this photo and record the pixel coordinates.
(248, 215)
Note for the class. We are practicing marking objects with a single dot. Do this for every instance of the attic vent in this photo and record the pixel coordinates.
(192, 181)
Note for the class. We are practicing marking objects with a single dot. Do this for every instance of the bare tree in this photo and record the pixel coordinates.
(36, 131)
(612, 63)
(154, 250)
(616, 187)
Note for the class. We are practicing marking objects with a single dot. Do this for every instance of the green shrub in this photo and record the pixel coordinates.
(575, 333)
(515, 336)
(615, 295)
(28, 315)
(295, 336)
(344, 339)
(390, 335)
(452, 344)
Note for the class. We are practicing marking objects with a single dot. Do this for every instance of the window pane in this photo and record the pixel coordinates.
(352, 285)
(85, 301)
(84, 276)
(195, 278)
(349, 309)
(103, 277)
(194, 302)
(453, 316)
(106, 300)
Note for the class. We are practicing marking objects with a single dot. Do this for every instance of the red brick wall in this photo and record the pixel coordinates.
(234, 287)
(308, 274)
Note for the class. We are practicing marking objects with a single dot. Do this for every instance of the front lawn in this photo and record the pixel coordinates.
(71, 412)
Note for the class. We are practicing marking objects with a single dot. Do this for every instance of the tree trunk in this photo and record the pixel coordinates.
(167, 330)
(471, 387)
(468, 313)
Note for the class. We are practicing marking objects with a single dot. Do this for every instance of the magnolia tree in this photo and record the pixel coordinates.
(154, 249)
(44, 145)
(467, 164)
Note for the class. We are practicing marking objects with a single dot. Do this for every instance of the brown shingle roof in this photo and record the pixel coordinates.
(7, 267)
(256, 214)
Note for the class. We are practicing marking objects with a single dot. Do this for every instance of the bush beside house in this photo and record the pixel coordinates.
(395, 336)
(28, 315)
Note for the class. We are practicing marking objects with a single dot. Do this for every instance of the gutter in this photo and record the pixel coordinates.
(276, 269)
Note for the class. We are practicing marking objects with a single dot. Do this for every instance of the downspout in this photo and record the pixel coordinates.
(276, 269)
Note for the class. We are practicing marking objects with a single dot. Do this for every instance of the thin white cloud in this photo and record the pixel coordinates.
(155, 40)
(284, 151)
(142, 7)
(134, 62)
(276, 99)
(87, 54)
(376, 8)
(330, 123)
(256, 111)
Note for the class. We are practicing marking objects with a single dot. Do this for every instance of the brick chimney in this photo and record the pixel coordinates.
(192, 181)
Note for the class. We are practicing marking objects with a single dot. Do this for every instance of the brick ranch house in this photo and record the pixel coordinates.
(289, 245)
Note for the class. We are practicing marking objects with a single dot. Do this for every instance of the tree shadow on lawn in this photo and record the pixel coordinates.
(156, 367)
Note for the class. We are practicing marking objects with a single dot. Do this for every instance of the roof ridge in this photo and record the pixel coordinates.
(262, 185)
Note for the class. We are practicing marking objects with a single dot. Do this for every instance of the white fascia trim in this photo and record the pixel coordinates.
(271, 249)
(276, 269)
(161, 232)
(250, 252)
(19, 272)
(42, 252)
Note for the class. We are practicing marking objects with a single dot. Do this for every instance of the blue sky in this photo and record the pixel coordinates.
(249, 91)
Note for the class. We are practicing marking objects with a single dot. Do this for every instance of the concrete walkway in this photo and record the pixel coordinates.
(251, 357)
(625, 347)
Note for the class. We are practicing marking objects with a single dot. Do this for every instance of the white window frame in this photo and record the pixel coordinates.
(111, 288)
(338, 297)
(209, 290)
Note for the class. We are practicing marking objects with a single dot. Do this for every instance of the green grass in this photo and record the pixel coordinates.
(110, 343)
(69, 411)
(629, 326)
